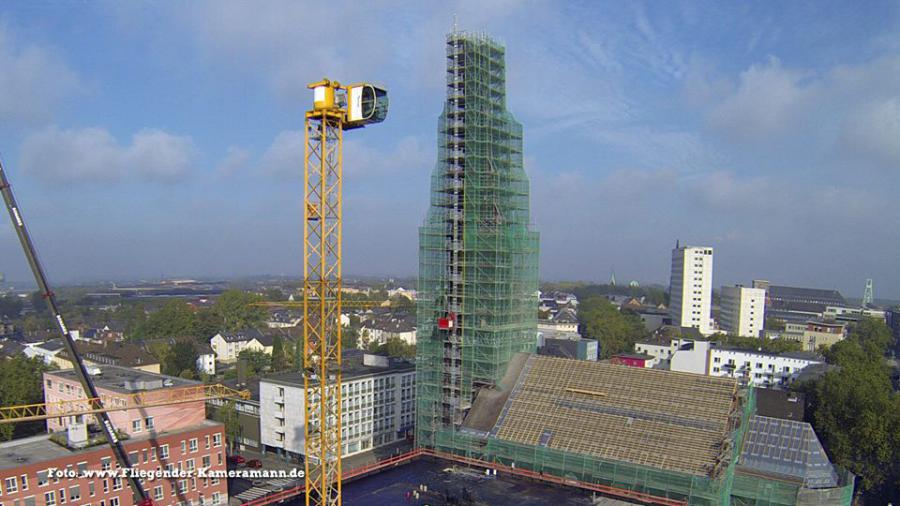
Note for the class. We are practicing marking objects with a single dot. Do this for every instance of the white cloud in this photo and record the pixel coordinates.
(33, 81)
(764, 103)
(874, 131)
(235, 159)
(92, 154)
(284, 157)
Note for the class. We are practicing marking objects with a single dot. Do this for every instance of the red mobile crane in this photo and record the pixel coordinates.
(141, 498)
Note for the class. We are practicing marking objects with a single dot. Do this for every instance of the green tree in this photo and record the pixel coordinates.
(257, 361)
(236, 310)
(349, 338)
(275, 295)
(227, 415)
(855, 411)
(394, 347)
(400, 303)
(21, 382)
(174, 319)
(615, 330)
(280, 359)
(181, 357)
(133, 317)
(38, 302)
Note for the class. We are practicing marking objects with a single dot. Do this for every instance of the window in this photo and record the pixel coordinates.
(91, 490)
(62, 496)
(114, 501)
(206, 461)
(105, 486)
(153, 454)
(104, 464)
(183, 446)
(136, 425)
(217, 439)
(144, 456)
(189, 465)
(42, 478)
(11, 485)
(24, 479)
(182, 486)
(207, 441)
(193, 445)
(158, 492)
(164, 451)
(148, 422)
(216, 498)
(50, 498)
(117, 483)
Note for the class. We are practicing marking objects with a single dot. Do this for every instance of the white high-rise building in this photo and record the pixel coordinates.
(690, 303)
(743, 310)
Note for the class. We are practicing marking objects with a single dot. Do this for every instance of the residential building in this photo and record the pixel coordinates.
(206, 359)
(49, 351)
(154, 438)
(110, 353)
(247, 436)
(743, 310)
(579, 349)
(633, 359)
(564, 320)
(228, 345)
(852, 314)
(377, 405)
(712, 359)
(381, 329)
(690, 288)
(820, 334)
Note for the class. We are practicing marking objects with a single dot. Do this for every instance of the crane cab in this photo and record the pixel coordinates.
(366, 104)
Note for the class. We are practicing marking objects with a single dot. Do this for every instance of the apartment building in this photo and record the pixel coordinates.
(743, 310)
(377, 405)
(157, 439)
(690, 288)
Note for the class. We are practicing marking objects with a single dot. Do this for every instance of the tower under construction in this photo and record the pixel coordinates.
(477, 250)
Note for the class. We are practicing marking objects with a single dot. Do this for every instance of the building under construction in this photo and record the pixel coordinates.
(647, 435)
(478, 253)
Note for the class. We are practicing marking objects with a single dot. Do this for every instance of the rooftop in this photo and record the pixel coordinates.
(352, 368)
(31, 450)
(789, 449)
(126, 380)
(662, 419)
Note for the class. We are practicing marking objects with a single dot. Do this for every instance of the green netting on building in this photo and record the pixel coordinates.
(754, 490)
(477, 251)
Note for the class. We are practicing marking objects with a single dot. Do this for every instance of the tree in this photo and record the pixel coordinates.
(174, 319)
(280, 359)
(401, 303)
(855, 411)
(275, 295)
(21, 382)
(227, 415)
(616, 331)
(236, 311)
(350, 338)
(181, 357)
(38, 302)
(257, 361)
(394, 347)
(756, 343)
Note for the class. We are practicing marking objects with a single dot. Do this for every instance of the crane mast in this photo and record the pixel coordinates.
(141, 496)
(335, 108)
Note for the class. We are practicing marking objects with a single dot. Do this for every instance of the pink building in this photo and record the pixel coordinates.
(160, 440)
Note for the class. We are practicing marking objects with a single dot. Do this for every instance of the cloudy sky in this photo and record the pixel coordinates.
(150, 139)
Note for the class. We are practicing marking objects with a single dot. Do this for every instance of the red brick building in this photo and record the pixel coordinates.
(176, 438)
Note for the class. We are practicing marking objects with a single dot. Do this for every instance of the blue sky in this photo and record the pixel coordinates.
(151, 139)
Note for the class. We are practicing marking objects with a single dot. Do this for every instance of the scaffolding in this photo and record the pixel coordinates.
(478, 252)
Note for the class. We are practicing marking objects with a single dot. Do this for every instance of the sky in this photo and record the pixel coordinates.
(164, 139)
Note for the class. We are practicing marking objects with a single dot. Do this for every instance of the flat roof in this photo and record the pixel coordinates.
(125, 379)
(36, 449)
(352, 367)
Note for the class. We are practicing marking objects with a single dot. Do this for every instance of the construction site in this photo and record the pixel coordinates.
(555, 430)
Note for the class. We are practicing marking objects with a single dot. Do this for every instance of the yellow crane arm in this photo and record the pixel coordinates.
(74, 407)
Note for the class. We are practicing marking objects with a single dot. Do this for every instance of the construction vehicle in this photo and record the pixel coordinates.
(93, 403)
(335, 108)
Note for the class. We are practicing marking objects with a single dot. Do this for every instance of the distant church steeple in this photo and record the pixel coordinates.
(612, 279)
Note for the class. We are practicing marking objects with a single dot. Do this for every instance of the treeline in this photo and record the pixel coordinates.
(653, 295)
(856, 411)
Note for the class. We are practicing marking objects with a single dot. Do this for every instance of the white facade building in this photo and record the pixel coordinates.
(743, 310)
(691, 288)
(377, 405)
(703, 357)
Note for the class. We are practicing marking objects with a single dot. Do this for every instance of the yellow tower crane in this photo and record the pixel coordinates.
(335, 108)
